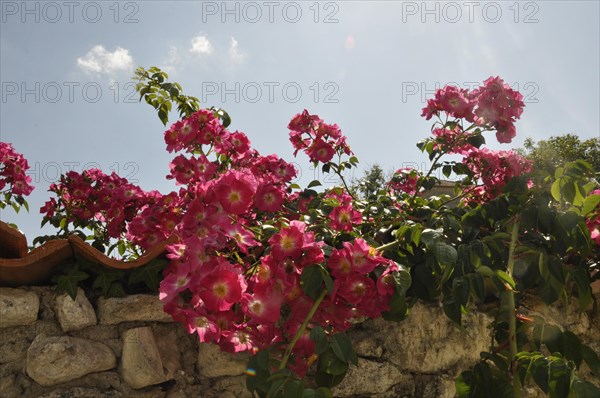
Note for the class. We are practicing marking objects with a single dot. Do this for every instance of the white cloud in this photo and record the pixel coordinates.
(201, 45)
(172, 61)
(99, 60)
(235, 53)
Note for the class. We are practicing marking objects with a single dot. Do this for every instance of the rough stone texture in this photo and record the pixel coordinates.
(74, 314)
(389, 364)
(12, 349)
(166, 339)
(9, 387)
(139, 307)
(81, 393)
(368, 378)
(212, 362)
(53, 360)
(234, 387)
(367, 345)
(141, 362)
(18, 307)
(428, 342)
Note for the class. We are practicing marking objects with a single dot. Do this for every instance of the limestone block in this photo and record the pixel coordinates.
(18, 307)
(141, 362)
(368, 378)
(74, 314)
(212, 362)
(138, 307)
(53, 360)
(428, 342)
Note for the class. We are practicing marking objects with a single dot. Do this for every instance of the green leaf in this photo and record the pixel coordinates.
(555, 190)
(589, 204)
(311, 281)
(398, 308)
(430, 236)
(559, 379)
(258, 373)
(572, 347)
(342, 348)
(445, 253)
(504, 277)
(317, 334)
(477, 286)
(116, 290)
(314, 183)
(308, 393)
(584, 290)
(584, 389)
(539, 372)
(463, 389)
(460, 290)
(150, 274)
(68, 283)
(452, 309)
(447, 170)
(121, 247)
(485, 271)
(294, 389)
(403, 281)
(323, 392)
(330, 370)
(104, 281)
(476, 140)
(591, 358)
(277, 381)
(328, 282)
(163, 116)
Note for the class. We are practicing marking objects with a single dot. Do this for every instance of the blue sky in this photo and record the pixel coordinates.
(67, 101)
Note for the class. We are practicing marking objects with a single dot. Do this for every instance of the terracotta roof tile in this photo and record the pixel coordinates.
(21, 267)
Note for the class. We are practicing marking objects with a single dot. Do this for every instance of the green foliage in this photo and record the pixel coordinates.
(108, 282)
(555, 151)
(529, 240)
(335, 353)
(154, 88)
(373, 181)
(14, 201)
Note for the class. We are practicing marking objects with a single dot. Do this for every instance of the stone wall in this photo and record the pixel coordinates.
(52, 346)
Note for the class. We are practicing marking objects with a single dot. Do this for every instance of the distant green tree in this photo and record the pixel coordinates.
(556, 151)
(373, 180)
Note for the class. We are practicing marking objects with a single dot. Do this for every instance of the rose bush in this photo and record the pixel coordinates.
(262, 265)
(15, 184)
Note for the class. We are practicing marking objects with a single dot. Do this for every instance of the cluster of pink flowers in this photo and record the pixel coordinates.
(13, 166)
(203, 128)
(404, 180)
(156, 220)
(494, 169)
(453, 141)
(319, 140)
(343, 217)
(495, 105)
(230, 280)
(93, 195)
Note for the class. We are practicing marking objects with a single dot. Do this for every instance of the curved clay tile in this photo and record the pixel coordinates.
(36, 266)
(87, 252)
(13, 244)
(19, 267)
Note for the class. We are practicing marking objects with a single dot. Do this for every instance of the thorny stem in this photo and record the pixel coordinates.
(512, 320)
(300, 332)
(387, 246)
